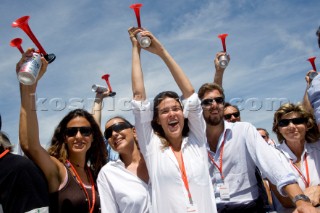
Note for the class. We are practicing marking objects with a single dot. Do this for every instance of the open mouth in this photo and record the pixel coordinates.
(117, 142)
(173, 125)
(79, 145)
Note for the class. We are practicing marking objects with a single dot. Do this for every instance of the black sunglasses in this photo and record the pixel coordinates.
(228, 116)
(117, 127)
(209, 101)
(285, 122)
(84, 130)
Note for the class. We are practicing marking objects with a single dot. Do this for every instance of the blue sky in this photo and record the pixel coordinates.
(269, 42)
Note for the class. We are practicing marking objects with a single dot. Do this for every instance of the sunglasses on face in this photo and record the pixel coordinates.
(264, 136)
(84, 130)
(296, 121)
(228, 116)
(209, 101)
(117, 127)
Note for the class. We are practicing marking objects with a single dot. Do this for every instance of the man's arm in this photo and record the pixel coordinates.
(218, 76)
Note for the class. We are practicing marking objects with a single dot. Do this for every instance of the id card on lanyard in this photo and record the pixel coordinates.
(191, 207)
(220, 187)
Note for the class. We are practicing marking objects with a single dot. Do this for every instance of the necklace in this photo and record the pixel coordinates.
(77, 165)
(91, 206)
(4, 153)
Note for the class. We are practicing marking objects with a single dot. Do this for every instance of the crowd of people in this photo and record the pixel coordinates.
(184, 153)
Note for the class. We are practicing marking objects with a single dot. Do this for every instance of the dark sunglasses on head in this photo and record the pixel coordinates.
(84, 130)
(235, 114)
(285, 122)
(117, 127)
(209, 101)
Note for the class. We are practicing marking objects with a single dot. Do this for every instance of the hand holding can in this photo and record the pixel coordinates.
(223, 61)
(29, 70)
(144, 41)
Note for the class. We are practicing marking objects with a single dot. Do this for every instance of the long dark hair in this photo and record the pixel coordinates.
(157, 128)
(96, 155)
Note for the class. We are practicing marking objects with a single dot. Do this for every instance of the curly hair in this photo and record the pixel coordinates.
(157, 128)
(96, 156)
(312, 134)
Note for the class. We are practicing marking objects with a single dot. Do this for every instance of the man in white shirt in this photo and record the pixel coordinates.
(235, 150)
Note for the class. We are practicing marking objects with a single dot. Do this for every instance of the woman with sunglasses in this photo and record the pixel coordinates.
(298, 136)
(74, 158)
(123, 183)
(174, 146)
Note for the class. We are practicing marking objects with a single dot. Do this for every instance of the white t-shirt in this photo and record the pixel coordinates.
(168, 190)
(122, 191)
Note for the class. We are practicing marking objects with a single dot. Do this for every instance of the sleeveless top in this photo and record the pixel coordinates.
(72, 198)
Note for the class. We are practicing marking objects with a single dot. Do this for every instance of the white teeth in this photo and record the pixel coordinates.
(173, 122)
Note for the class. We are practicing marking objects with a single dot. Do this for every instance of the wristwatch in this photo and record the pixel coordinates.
(301, 197)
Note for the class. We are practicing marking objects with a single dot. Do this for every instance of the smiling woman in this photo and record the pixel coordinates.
(298, 136)
(173, 147)
(75, 156)
(123, 183)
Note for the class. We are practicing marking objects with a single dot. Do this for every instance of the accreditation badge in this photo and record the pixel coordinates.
(224, 191)
(192, 208)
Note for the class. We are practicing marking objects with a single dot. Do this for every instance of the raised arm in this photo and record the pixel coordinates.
(138, 89)
(179, 76)
(29, 130)
(305, 102)
(314, 98)
(97, 106)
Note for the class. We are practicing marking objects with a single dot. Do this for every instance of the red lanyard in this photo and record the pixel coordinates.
(305, 180)
(184, 177)
(91, 207)
(4, 153)
(220, 157)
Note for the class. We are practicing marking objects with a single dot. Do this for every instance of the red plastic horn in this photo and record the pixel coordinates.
(16, 42)
(106, 77)
(311, 60)
(22, 23)
(223, 40)
(136, 8)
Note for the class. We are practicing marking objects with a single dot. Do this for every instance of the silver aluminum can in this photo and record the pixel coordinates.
(312, 75)
(99, 88)
(29, 70)
(144, 41)
(223, 61)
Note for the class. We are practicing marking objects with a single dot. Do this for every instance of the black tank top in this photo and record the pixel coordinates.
(72, 198)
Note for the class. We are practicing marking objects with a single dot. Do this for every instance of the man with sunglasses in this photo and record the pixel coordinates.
(231, 113)
(235, 150)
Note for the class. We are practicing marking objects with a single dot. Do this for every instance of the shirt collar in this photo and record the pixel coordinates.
(289, 154)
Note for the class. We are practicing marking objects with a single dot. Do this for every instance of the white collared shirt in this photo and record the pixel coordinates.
(168, 191)
(312, 150)
(122, 191)
(244, 150)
